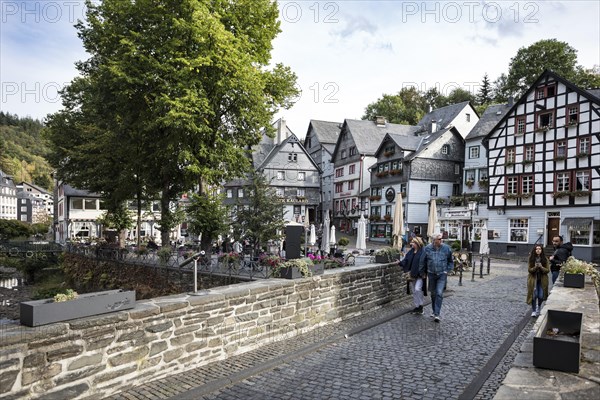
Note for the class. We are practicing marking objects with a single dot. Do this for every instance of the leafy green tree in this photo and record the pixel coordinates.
(406, 107)
(119, 218)
(500, 90)
(260, 218)
(484, 96)
(559, 57)
(11, 229)
(207, 216)
(435, 99)
(174, 93)
(459, 95)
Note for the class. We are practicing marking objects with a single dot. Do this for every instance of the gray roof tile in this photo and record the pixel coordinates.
(488, 120)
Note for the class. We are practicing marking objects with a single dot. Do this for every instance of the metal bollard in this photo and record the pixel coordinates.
(488, 264)
(472, 265)
(481, 267)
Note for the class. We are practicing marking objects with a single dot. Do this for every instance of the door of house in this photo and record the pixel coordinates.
(553, 229)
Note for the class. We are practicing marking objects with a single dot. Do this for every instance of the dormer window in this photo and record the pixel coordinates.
(353, 151)
(292, 157)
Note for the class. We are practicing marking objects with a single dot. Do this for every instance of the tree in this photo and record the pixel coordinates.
(207, 216)
(174, 94)
(261, 218)
(485, 91)
(459, 95)
(500, 90)
(559, 57)
(406, 107)
(435, 99)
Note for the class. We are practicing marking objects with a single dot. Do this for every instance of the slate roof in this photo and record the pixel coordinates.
(367, 135)
(36, 187)
(326, 131)
(443, 116)
(594, 92)
(71, 191)
(488, 120)
(426, 140)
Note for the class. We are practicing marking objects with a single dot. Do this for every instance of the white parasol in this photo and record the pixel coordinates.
(398, 227)
(361, 233)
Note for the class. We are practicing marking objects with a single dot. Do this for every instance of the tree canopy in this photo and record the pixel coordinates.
(174, 93)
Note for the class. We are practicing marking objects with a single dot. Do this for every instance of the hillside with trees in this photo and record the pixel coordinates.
(23, 150)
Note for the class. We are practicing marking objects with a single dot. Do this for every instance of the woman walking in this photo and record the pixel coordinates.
(410, 265)
(537, 280)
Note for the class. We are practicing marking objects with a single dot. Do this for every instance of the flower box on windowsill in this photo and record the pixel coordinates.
(557, 343)
(559, 195)
(48, 311)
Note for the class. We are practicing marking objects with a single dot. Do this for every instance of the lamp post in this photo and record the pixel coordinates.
(472, 207)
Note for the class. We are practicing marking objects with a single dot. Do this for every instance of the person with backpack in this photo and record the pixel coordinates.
(562, 251)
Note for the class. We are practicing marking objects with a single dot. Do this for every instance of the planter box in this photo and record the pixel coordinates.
(294, 273)
(382, 259)
(574, 280)
(42, 312)
(557, 343)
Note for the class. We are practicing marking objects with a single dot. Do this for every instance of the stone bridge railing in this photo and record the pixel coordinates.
(99, 356)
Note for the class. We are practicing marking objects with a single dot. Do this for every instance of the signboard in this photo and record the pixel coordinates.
(390, 195)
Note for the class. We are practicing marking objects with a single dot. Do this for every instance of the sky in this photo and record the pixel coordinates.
(346, 54)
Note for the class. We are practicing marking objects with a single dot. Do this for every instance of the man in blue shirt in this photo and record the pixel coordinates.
(436, 261)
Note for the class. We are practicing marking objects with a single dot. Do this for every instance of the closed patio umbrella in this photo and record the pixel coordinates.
(313, 235)
(398, 226)
(361, 233)
(325, 238)
(484, 246)
(332, 240)
(433, 225)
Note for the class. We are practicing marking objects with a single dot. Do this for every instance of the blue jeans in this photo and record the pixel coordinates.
(538, 294)
(554, 276)
(436, 288)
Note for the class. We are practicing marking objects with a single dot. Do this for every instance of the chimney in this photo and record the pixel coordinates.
(433, 125)
(380, 121)
(281, 131)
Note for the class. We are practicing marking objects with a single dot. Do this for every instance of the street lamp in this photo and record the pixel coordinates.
(472, 207)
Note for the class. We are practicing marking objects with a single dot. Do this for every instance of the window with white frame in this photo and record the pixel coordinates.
(561, 149)
(300, 192)
(292, 157)
(433, 190)
(279, 192)
(301, 176)
(229, 193)
(445, 149)
(511, 155)
(280, 175)
(520, 125)
(240, 193)
(468, 117)
(454, 229)
(584, 145)
(76, 204)
(512, 185)
(470, 175)
(527, 185)
(518, 230)
(563, 181)
(529, 154)
(474, 152)
(483, 174)
(90, 204)
(582, 180)
(579, 232)
(572, 114)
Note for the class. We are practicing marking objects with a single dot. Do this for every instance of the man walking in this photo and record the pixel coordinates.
(437, 261)
(562, 251)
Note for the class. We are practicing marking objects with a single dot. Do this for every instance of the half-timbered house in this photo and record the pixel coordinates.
(544, 170)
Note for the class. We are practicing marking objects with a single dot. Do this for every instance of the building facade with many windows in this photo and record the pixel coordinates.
(544, 169)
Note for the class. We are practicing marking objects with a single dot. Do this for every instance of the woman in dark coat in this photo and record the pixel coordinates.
(410, 264)
(537, 280)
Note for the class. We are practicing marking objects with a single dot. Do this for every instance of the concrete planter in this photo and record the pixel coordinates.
(294, 273)
(574, 280)
(382, 259)
(47, 311)
(557, 343)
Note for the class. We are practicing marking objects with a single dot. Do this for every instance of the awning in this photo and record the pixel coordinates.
(577, 222)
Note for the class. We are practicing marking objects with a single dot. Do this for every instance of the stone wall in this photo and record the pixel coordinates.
(98, 356)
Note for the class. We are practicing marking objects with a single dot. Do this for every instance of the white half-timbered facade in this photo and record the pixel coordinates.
(544, 170)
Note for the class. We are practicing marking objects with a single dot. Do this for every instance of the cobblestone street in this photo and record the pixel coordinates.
(390, 354)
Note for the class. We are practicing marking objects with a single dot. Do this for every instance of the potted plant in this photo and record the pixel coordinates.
(483, 183)
(469, 183)
(298, 268)
(574, 272)
(387, 255)
(561, 194)
(230, 260)
(70, 305)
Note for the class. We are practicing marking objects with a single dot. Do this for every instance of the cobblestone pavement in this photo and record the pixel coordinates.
(389, 354)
